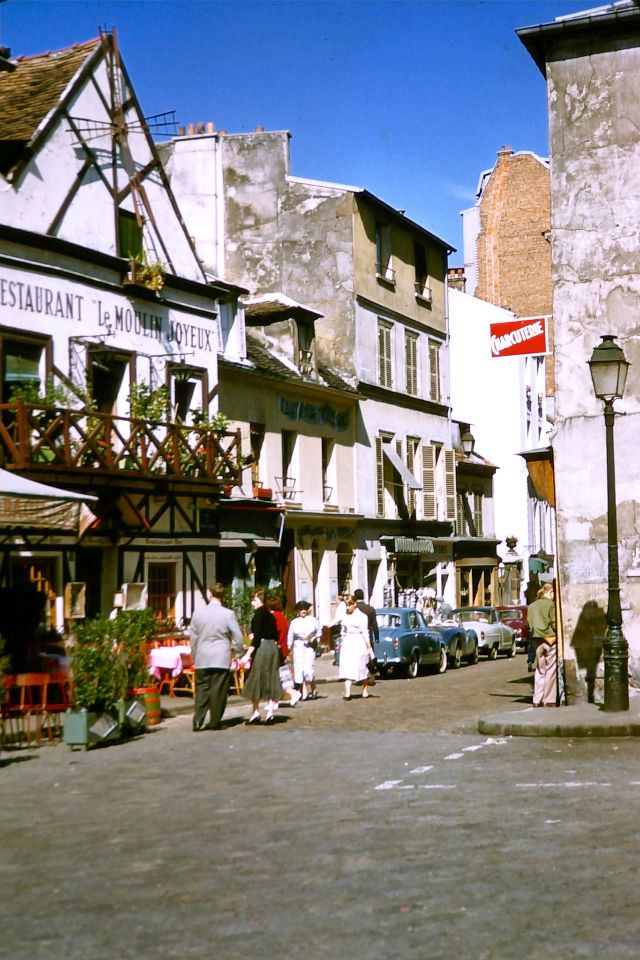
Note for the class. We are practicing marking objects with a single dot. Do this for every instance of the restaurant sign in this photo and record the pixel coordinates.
(43, 299)
(523, 337)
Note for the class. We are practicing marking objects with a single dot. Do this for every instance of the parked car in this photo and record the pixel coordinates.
(406, 643)
(494, 637)
(461, 644)
(515, 615)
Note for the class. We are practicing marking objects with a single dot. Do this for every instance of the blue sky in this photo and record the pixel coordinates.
(411, 100)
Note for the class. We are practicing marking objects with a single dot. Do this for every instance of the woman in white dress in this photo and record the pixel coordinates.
(303, 636)
(355, 648)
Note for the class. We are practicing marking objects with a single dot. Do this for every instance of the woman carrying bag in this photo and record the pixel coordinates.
(264, 655)
(304, 633)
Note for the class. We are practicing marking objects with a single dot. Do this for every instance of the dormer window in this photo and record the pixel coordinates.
(306, 353)
(384, 266)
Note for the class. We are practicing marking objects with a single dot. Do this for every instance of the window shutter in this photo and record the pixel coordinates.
(429, 481)
(434, 370)
(379, 478)
(450, 483)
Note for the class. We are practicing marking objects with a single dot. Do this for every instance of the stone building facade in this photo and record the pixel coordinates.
(591, 62)
(377, 283)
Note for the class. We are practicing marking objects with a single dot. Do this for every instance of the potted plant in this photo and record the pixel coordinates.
(99, 677)
(143, 273)
(133, 629)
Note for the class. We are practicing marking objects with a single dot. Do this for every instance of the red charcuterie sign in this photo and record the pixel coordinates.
(524, 337)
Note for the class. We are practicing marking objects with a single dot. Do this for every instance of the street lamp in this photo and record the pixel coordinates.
(467, 442)
(609, 366)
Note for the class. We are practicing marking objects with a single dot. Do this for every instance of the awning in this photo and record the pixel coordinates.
(437, 550)
(541, 475)
(26, 503)
(13, 485)
(397, 464)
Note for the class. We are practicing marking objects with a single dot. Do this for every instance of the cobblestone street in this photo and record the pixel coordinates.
(386, 828)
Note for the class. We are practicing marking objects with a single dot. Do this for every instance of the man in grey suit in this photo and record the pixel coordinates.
(214, 631)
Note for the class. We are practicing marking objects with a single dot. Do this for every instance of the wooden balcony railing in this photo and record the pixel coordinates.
(33, 436)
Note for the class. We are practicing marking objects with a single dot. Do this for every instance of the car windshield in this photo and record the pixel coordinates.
(506, 615)
(389, 620)
(471, 613)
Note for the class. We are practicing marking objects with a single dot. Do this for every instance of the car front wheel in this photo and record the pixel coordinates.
(413, 667)
(457, 658)
(442, 666)
(474, 656)
(512, 650)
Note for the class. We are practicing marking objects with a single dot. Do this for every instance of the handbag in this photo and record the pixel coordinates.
(286, 680)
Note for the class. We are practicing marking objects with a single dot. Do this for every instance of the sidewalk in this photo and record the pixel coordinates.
(579, 720)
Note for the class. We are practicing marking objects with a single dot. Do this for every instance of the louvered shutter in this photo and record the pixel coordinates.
(379, 478)
(429, 481)
(434, 370)
(450, 483)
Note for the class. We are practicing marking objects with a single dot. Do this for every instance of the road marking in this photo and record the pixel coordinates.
(439, 786)
(477, 746)
(454, 756)
(567, 783)
(421, 769)
(388, 785)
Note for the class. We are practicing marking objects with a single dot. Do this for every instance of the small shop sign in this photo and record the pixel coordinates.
(524, 337)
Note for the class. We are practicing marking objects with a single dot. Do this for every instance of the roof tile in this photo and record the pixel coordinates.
(32, 90)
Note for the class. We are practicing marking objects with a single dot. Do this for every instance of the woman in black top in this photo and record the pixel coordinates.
(263, 682)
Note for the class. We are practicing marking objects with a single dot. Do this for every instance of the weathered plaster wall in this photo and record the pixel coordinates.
(291, 235)
(595, 148)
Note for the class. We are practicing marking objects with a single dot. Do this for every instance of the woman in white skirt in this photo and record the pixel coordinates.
(355, 648)
(304, 633)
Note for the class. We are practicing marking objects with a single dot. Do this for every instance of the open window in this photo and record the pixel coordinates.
(188, 389)
(129, 235)
(24, 367)
(110, 378)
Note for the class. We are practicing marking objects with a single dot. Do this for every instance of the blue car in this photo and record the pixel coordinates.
(461, 644)
(407, 643)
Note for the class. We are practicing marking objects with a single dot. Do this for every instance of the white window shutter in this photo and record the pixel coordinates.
(429, 481)
(450, 483)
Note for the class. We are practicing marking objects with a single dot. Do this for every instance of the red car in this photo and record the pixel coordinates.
(515, 616)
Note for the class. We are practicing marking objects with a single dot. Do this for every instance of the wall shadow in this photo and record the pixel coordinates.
(587, 642)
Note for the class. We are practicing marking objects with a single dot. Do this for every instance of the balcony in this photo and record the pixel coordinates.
(76, 445)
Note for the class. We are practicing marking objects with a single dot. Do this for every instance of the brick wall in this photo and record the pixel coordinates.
(513, 248)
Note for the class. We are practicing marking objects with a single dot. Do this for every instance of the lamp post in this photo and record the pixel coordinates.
(467, 442)
(609, 366)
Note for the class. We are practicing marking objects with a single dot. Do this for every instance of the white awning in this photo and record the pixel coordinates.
(397, 464)
(13, 485)
(27, 503)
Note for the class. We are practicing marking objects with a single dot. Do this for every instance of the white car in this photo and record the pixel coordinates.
(493, 635)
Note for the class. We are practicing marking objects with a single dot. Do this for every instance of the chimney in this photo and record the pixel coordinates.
(191, 130)
(259, 129)
(201, 128)
(211, 127)
(456, 279)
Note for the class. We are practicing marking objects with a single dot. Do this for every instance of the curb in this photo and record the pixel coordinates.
(588, 722)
